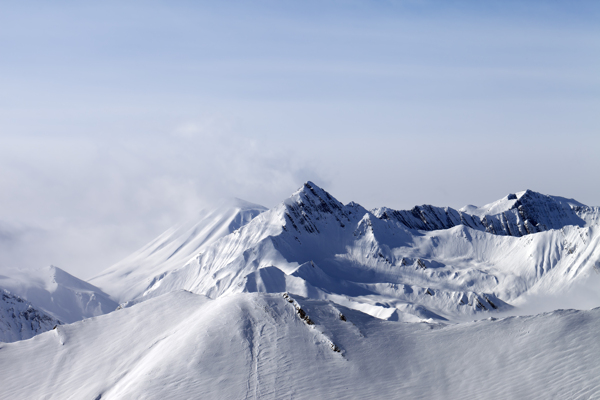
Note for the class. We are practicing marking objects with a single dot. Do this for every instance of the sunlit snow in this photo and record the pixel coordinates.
(317, 299)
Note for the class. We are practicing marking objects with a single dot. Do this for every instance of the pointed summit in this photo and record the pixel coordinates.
(311, 191)
(544, 211)
(311, 204)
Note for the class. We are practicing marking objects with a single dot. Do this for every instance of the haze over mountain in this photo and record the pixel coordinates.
(58, 293)
(113, 133)
(130, 277)
(430, 228)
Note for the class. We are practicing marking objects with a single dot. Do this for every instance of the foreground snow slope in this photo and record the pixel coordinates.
(257, 345)
(449, 266)
(130, 277)
(58, 293)
(19, 319)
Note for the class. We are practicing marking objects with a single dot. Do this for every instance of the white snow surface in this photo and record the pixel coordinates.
(58, 293)
(129, 278)
(257, 345)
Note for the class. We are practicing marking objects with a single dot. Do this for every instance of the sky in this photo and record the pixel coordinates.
(119, 119)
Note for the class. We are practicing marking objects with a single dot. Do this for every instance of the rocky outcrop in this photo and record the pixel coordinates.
(525, 213)
(20, 320)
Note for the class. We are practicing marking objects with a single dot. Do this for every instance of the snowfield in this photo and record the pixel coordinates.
(317, 299)
(250, 345)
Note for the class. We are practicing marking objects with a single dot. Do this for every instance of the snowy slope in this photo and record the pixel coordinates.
(58, 293)
(130, 277)
(314, 246)
(317, 299)
(260, 345)
(19, 319)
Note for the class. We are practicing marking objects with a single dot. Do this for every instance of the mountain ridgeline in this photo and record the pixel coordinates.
(318, 299)
(526, 213)
(518, 214)
(429, 263)
(424, 264)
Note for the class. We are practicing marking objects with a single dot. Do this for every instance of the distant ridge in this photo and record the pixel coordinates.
(58, 293)
(515, 215)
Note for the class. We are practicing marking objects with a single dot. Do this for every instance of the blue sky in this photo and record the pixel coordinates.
(118, 119)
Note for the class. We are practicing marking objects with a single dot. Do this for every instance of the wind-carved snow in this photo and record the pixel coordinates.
(429, 263)
(257, 346)
(20, 320)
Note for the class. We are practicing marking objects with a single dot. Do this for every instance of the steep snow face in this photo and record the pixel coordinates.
(20, 320)
(314, 246)
(130, 277)
(267, 346)
(58, 293)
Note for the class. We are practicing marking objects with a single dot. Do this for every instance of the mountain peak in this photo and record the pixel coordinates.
(310, 204)
(313, 195)
(310, 187)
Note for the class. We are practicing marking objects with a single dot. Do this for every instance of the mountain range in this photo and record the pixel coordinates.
(314, 298)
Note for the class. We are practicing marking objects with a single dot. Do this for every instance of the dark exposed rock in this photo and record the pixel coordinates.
(531, 212)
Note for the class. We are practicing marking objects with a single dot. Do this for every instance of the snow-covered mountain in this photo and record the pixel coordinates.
(517, 214)
(317, 299)
(129, 278)
(455, 266)
(266, 346)
(58, 293)
(20, 320)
